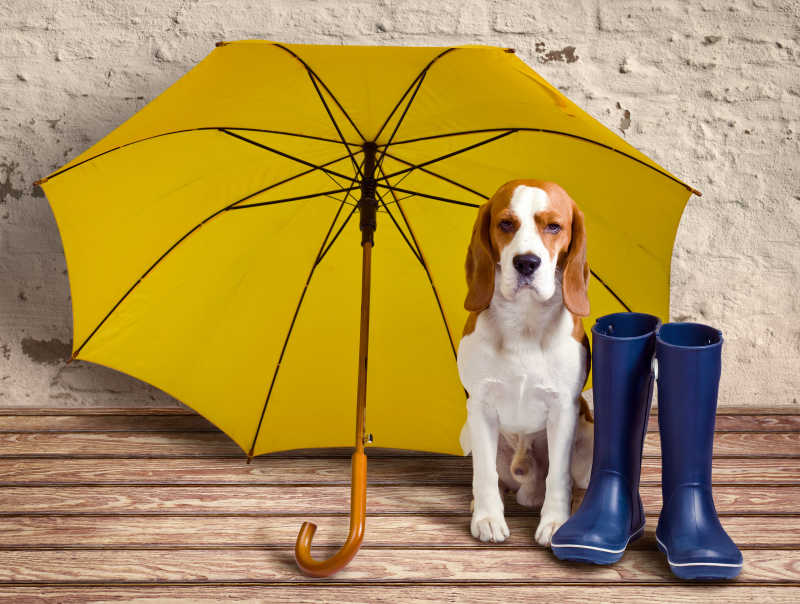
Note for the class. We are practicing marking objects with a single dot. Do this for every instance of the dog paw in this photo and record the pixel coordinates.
(548, 525)
(489, 527)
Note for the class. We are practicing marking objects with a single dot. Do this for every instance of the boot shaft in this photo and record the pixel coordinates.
(689, 367)
(623, 345)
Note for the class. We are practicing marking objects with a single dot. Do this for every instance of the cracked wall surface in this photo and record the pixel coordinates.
(709, 89)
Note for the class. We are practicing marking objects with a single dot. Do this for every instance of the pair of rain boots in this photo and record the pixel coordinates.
(631, 351)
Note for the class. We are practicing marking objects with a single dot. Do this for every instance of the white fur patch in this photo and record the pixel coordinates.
(525, 203)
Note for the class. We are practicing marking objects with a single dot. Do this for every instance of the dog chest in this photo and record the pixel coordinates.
(521, 383)
(532, 385)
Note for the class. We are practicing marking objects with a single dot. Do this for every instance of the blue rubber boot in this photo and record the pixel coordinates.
(689, 532)
(611, 514)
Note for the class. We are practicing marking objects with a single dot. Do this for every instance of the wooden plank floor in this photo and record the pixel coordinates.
(158, 505)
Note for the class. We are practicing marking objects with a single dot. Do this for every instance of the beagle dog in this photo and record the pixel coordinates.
(524, 356)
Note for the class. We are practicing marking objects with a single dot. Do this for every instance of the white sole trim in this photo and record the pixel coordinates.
(601, 549)
(671, 563)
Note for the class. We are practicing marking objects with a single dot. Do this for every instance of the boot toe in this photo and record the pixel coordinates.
(600, 530)
(595, 546)
(702, 561)
(694, 541)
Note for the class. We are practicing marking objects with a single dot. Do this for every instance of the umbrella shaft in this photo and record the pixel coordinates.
(367, 207)
(361, 401)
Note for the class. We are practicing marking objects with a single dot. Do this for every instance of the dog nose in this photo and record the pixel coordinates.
(526, 264)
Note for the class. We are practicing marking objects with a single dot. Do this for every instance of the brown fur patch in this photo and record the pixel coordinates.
(483, 254)
(469, 326)
(579, 334)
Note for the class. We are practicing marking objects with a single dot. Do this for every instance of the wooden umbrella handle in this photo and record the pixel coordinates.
(358, 506)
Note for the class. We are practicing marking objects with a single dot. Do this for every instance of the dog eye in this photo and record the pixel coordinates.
(552, 228)
(506, 225)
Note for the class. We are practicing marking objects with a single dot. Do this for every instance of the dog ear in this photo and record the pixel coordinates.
(576, 270)
(480, 263)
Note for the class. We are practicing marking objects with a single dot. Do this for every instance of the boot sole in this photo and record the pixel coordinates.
(592, 554)
(700, 570)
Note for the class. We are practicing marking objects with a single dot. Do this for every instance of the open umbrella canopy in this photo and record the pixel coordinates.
(213, 244)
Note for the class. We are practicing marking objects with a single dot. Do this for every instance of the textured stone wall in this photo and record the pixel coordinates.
(711, 90)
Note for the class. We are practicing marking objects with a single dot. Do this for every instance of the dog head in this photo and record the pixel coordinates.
(530, 233)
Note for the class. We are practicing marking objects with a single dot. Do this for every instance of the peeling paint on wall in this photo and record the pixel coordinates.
(48, 352)
(566, 54)
(625, 122)
(6, 186)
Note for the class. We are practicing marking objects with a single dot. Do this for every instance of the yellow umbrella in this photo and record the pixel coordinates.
(213, 251)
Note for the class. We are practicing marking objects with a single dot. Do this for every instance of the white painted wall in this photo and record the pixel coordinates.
(711, 90)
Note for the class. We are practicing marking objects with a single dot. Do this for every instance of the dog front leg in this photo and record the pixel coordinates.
(488, 523)
(561, 423)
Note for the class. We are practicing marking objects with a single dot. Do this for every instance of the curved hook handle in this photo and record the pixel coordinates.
(358, 507)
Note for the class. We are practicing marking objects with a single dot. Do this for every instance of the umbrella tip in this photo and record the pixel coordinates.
(511, 50)
(221, 43)
(40, 181)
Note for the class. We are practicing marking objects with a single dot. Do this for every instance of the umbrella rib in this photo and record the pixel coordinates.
(147, 138)
(449, 155)
(420, 79)
(611, 291)
(349, 203)
(439, 176)
(314, 79)
(189, 232)
(549, 131)
(288, 156)
(333, 222)
(421, 258)
(411, 247)
(421, 74)
(336, 236)
(402, 117)
(326, 172)
(335, 100)
(427, 196)
(330, 228)
(296, 198)
(401, 199)
(316, 262)
(312, 76)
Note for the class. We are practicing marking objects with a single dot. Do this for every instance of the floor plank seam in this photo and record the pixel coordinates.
(243, 458)
(332, 583)
(495, 547)
(331, 484)
(214, 431)
(316, 514)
